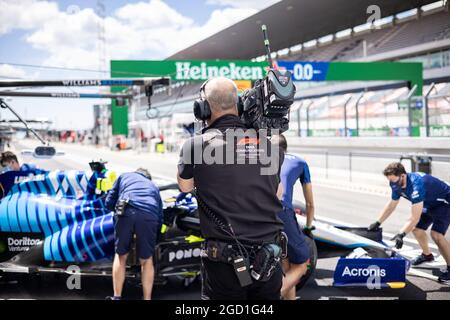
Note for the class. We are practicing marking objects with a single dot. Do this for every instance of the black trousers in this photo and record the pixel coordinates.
(219, 282)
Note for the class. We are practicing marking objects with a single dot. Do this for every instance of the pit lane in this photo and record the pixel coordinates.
(332, 203)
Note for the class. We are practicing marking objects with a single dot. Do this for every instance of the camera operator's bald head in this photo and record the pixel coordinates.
(222, 97)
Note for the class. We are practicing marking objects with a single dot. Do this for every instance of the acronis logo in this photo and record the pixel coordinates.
(363, 272)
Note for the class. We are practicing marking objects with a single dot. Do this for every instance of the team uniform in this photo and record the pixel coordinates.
(9, 178)
(29, 167)
(435, 195)
(294, 168)
(143, 214)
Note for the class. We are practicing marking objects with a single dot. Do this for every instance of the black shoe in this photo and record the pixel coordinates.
(422, 259)
(444, 277)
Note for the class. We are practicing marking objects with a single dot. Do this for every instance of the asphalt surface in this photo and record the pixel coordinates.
(334, 204)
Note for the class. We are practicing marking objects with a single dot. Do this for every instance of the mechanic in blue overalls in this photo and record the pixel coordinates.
(10, 162)
(138, 211)
(430, 198)
(295, 266)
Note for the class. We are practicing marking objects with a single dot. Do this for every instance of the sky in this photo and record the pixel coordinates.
(65, 34)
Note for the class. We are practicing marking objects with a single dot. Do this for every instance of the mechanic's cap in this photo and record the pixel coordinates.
(144, 172)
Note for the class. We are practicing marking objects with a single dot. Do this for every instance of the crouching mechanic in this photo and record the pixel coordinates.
(295, 266)
(430, 198)
(138, 211)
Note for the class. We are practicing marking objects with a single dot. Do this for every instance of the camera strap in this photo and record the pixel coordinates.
(217, 219)
(239, 259)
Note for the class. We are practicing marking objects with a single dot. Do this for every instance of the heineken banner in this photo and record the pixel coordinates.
(189, 70)
(247, 71)
(197, 70)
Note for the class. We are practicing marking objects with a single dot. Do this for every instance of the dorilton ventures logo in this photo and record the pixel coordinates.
(21, 244)
(203, 71)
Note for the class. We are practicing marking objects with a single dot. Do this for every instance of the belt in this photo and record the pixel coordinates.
(259, 262)
(223, 251)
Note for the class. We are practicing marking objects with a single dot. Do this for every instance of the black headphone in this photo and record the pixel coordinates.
(202, 110)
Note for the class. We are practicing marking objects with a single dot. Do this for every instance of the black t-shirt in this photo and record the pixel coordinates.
(242, 187)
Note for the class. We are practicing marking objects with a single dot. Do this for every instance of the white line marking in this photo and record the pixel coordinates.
(325, 282)
(422, 274)
(386, 234)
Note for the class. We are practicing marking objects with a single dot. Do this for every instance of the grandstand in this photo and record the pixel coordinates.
(400, 34)
(408, 31)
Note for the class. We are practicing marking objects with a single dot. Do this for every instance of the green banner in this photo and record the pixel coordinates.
(351, 71)
(119, 115)
(189, 70)
(196, 70)
(372, 71)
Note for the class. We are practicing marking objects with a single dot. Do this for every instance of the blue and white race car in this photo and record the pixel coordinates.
(57, 218)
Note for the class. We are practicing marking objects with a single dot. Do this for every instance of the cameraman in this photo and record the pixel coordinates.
(238, 205)
(138, 211)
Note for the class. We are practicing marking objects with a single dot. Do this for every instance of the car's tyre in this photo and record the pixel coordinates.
(312, 264)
